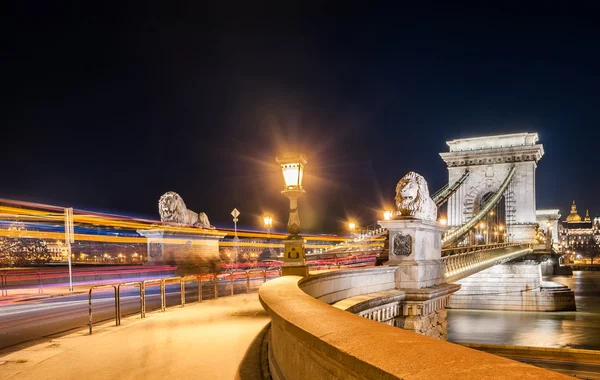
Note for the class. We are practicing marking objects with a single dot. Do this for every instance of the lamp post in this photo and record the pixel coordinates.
(294, 261)
(352, 228)
(268, 220)
(235, 213)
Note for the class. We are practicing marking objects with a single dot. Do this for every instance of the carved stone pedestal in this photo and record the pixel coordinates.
(191, 252)
(424, 310)
(415, 247)
(294, 260)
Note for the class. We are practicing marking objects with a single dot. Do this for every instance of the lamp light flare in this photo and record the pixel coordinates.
(292, 166)
(387, 215)
(443, 221)
(268, 221)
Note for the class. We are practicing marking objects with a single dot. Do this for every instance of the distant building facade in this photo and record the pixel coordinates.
(580, 237)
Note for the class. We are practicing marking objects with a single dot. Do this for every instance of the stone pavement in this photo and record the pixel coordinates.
(215, 339)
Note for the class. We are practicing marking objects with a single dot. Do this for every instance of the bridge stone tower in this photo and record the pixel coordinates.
(488, 160)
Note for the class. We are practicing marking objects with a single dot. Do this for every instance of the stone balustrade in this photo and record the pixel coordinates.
(464, 264)
(310, 339)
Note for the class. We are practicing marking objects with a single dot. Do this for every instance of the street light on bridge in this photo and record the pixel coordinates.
(294, 261)
(268, 221)
(387, 215)
(352, 228)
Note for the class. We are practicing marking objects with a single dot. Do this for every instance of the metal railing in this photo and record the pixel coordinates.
(163, 282)
(474, 248)
(4, 280)
(48, 278)
(466, 263)
(90, 304)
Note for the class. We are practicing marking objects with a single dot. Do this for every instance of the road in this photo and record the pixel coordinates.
(24, 321)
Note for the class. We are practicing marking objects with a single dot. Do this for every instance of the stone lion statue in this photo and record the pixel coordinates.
(171, 208)
(412, 198)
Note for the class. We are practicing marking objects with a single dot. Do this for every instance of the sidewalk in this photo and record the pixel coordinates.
(216, 339)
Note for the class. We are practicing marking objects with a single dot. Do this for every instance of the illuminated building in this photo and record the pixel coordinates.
(580, 236)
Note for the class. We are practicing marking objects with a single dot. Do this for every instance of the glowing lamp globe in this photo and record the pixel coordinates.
(351, 226)
(268, 221)
(387, 215)
(292, 166)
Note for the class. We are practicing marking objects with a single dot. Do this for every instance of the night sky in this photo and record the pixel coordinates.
(109, 105)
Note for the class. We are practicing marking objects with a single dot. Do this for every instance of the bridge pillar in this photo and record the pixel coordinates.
(488, 160)
(415, 248)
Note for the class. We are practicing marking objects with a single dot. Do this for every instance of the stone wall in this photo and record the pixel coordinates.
(312, 340)
(334, 286)
(514, 286)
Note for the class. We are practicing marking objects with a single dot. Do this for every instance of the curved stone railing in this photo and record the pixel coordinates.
(334, 286)
(310, 339)
(465, 264)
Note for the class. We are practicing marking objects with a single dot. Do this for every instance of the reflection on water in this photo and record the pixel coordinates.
(568, 329)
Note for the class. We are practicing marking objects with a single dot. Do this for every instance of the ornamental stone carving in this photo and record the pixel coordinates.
(412, 198)
(171, 208)
(402, 245)
(155, 250)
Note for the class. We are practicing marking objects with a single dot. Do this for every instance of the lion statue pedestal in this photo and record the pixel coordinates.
(192, 244)
(415, 248)
(415, 237)
(193, 253)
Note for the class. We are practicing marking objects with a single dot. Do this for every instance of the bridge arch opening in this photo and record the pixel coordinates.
(492, 228)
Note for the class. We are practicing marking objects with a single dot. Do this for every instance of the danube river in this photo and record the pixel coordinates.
(568, 329)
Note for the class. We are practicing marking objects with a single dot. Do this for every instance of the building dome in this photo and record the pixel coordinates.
(573, 216)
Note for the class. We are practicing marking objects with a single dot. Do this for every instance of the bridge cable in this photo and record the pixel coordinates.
(458, 233)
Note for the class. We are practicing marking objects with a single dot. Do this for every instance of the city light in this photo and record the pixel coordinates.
(387, 215)
(268, 221)
(292, 166)
(351, 226)
(443, 221)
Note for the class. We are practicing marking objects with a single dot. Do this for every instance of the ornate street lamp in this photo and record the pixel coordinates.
(352, 228)
(268, 220)
(294, 261)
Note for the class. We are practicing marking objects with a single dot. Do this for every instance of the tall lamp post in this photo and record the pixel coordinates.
(268, 220)
(294, 261)
(352, 228)
(236, 240)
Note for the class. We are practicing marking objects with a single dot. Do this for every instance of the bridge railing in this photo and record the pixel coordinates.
(14, 280)
(228, 279)
(463, 264)
(475, 248)
(310, 339)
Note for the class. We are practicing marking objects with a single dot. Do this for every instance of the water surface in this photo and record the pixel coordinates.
(568, 329)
